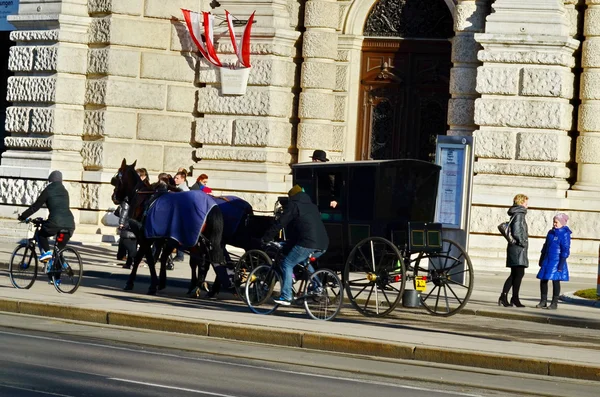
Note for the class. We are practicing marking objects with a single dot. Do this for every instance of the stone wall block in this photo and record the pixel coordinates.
(547, 82)
(167, 9)
(20, 58)
(588, 147)
(17, 119)
(590, 84)
(160, 127)
(171, 67)
(262, 133)
(591, 27)
(573, 18)
(46, 59)
(31, 89)
(463, 81)
(520, 169)
(492, 143)
(550, 146)
(181, 99)
(20, 191)
(42, 121)
(93, 123)
(69, 59)
(588, 117)
(217, 131)
(130, 7)
(265, 72)
(498, 80)
(96, 196)
(321, 14)
(114, 62)
(258, 101)
(523, 113)
(34, 35)
(320, 44)
(591, 53)
(318, 75)
(340, 105)
(339, 138)
(315, 136)
(66, 121)
(71, 90)
(341, 78)
(465, 49)
(50, 143)
(129, 32)
(316, 105)
(527, 57)
(461, 111)
(469, 17)
(92, 154)
(127, 94)
(177, 156)
(257, 155)
(102, 154)
(265, 48)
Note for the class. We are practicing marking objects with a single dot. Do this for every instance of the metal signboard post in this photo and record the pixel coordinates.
(455, 154)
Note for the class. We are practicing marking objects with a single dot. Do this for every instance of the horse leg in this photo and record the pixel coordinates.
(136, 262)
(152, 267)
(195, 268)
(162, 280)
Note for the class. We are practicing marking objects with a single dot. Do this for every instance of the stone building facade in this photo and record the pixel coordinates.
(96, 81)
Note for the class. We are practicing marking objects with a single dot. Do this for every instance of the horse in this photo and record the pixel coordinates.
(206, 222)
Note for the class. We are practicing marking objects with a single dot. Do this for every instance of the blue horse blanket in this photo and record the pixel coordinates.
(179, 216)
(234, 209)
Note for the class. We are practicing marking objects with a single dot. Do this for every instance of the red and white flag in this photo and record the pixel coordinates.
(194, 21)
(243, 49)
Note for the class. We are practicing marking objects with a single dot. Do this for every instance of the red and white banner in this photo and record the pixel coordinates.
(195, 21)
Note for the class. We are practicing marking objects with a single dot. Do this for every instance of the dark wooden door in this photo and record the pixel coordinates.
(404, 95)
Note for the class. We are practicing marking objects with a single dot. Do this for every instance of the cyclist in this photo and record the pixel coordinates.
(305, 233)
(56, 198)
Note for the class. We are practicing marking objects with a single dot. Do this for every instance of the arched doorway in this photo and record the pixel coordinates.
(404, 79)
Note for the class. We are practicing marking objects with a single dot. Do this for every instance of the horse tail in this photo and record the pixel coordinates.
(214, 234)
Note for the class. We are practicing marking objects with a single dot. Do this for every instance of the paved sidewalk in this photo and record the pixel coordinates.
(495, 337)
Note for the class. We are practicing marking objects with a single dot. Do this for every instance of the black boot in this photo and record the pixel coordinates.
(553, 304)
(503, 300)
(515, 301)
(543, 302)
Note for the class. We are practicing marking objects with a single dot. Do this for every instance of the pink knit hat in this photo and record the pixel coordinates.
(562, 218)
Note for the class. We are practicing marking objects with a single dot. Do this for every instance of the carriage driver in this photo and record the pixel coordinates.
(305, 233)
(56, 198)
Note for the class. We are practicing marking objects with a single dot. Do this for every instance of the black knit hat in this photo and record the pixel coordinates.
(55, 176)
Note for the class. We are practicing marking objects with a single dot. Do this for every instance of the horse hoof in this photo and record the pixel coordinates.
(152, 291)
(128, 287)
(162, 287)
(194, 293)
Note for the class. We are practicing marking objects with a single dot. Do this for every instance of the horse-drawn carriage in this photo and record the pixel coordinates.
(382, 234)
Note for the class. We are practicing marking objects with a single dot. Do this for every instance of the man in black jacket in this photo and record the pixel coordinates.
(306, 235)
(56, 198)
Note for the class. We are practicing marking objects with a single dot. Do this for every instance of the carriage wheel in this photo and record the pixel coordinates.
(374, 276)
(248, 262)
(447, 277)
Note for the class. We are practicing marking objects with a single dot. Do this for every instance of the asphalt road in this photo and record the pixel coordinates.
(46, 357)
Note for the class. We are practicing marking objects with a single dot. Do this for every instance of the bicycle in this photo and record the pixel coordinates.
(321, 292)
(64, 268)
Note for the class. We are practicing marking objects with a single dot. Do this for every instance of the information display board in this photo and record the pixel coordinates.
(7, 7)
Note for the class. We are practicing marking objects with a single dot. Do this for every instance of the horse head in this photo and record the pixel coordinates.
(126, 182)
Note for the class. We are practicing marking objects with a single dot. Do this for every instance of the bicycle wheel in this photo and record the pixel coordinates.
(447, 279)
(263, 285)
(23, 266)
(324, 295)
(248, 262)
(69, 271)
(374, 276)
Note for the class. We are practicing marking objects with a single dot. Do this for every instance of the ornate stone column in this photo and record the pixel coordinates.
(469, 19)
(318, 105)
(46, 122)
(526, 84)
(588, 143)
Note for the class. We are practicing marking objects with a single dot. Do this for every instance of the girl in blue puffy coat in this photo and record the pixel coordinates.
(553, 261)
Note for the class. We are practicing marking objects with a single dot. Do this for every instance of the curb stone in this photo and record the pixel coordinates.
(308, 340)
(570, 297)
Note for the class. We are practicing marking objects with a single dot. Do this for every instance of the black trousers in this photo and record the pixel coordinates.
(514, 280)
(555, 287)
(49, 229)
(129, 246)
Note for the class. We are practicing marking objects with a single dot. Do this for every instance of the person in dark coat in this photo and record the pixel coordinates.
(329, 184)
(516, 252)
(56, 199)
(306, 235)
(127, 238)
(553, 261)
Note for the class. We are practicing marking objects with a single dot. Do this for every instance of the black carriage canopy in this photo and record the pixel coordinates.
(374, 198)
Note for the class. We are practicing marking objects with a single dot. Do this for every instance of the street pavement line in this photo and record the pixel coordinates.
(172, 387)
(36, 391)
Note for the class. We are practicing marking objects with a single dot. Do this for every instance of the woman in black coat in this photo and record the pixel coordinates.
(516, 252)
(127, 238)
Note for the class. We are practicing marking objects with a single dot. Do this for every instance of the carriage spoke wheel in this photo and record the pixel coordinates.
(247, 262)
(449, 279)
(374, 276)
